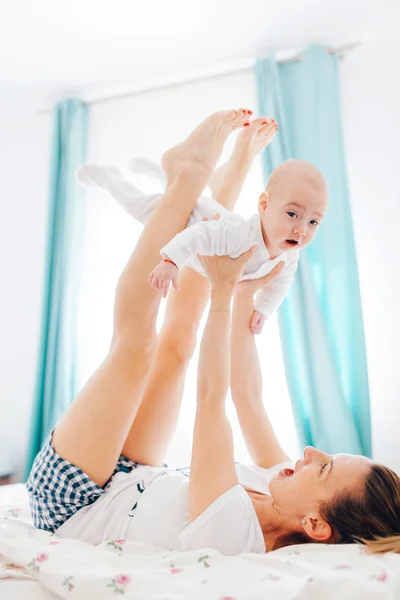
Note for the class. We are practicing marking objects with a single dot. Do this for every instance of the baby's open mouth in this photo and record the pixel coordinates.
(292, 242)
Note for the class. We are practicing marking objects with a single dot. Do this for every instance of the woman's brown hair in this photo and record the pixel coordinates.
(371, 518)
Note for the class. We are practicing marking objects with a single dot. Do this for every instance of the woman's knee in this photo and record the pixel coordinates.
(134, 351)
(178, 342)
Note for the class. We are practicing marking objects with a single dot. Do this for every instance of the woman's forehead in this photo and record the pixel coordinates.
(352, 464)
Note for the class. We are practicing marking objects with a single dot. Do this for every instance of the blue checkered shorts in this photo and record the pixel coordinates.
(58, 489)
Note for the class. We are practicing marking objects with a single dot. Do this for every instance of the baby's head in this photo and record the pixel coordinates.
(292, 206)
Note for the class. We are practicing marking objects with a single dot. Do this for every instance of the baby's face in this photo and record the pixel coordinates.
(291, 217)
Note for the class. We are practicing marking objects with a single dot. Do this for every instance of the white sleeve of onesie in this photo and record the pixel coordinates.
(223, 237)
(269, 299)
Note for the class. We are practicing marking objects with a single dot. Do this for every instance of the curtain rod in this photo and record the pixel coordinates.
(248, 66)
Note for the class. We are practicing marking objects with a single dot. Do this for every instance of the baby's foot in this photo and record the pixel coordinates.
(202, 149)
(95, 176)
(130, 197)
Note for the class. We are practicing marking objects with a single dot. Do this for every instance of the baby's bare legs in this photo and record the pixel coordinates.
(157, 416)
(227, 181)
(93, 431)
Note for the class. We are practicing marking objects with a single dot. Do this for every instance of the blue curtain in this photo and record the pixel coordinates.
(56, 369)
(320, 321)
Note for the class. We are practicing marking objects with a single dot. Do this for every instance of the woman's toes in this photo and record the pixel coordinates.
(246, 116)
(246, 112)
(242, 117)
(260, 122)
(242, 113)
(268, 126)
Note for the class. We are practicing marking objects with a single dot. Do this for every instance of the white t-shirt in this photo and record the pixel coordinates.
(151, 504)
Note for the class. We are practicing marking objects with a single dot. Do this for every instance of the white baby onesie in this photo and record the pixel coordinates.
(231, 235)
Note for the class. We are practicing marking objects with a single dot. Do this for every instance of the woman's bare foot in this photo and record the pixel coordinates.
(202, 149)
(255, 138)
(250, 142)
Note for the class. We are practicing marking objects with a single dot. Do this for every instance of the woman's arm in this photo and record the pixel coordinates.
(246, 384)
(212, 470)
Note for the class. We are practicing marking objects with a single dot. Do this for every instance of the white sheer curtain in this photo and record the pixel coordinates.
(146, 125)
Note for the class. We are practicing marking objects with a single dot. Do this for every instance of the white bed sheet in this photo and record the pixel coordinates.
(38, 565)
(15, 582)
(16, 589)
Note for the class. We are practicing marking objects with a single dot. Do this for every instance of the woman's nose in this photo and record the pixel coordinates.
(311, 453)
(308, 454)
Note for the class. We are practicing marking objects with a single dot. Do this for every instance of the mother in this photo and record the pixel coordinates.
(99, 477)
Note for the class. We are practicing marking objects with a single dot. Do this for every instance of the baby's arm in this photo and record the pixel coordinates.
(269, 299)
(217, 237)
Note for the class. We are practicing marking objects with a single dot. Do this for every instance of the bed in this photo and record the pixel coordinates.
(36, 565)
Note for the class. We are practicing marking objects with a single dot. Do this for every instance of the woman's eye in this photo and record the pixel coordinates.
(314, 223)
(323, 467)
(292, 214)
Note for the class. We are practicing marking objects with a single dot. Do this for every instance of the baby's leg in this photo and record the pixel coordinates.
(93, 431)
(227, 181)
(143, 166)
(133, 201)
(131, 198)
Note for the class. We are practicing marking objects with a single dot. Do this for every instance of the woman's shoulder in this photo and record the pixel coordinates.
(230, 525)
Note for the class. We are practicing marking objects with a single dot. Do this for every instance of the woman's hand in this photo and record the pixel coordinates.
(251, 286)
(223, 271)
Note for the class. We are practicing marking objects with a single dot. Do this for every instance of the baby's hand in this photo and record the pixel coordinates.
(163, 275)
(257, 322)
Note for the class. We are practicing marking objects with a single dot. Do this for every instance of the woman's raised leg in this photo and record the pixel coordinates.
(157, 416)
(93, 431)
(155, 422)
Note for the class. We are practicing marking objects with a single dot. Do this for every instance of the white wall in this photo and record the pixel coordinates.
(24, 143)
(371, 119)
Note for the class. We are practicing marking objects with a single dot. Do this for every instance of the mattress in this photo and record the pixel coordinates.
(38, 565)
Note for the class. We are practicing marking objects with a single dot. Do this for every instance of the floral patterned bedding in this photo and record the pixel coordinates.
(72, 569)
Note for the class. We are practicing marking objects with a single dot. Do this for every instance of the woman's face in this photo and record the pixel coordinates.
(318, 477)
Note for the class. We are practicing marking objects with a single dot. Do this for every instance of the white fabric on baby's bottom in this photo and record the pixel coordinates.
(151, 504)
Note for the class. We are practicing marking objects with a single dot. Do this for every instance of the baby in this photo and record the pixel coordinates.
(290, 210)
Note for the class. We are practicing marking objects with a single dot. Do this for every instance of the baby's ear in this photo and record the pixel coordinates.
(263, 201)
